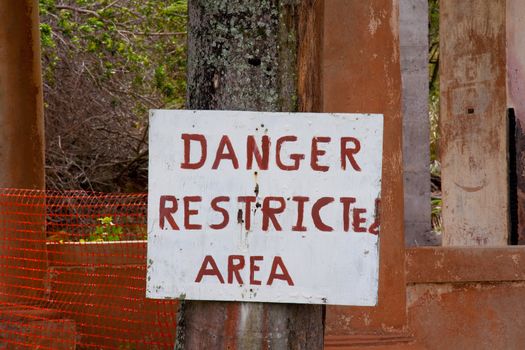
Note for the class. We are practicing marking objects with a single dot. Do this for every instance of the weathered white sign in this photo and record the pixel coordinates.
(266, 207)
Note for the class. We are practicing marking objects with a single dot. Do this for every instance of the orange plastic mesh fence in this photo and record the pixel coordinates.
(73, 273)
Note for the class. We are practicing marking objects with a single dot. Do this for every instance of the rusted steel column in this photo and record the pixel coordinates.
(260, 55)
(21, 106)
(474, 122)
(22, 249)
(361, 74)
(413, 38)
(516, 100)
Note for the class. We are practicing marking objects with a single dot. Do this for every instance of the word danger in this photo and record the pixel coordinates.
(225, 153)
(353, 217)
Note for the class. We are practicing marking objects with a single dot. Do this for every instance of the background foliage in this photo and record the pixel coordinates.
(105, 64)
(433, 65)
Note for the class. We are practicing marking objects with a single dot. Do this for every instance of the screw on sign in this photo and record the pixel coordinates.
(265, 207)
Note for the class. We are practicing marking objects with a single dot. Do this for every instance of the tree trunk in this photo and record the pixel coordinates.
(257, 55)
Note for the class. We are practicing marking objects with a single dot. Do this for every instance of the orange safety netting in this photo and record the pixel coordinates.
(73, 273)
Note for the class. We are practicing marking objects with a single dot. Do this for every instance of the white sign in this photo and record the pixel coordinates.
(265, 207)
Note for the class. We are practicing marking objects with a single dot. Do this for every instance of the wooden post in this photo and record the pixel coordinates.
(22, 249)
(413, 39)
(473, 122)
(262, 56)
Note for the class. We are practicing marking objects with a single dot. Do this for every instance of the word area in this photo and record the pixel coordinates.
(237, 263)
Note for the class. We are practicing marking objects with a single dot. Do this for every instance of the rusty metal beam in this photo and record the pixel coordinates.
(21, 101)
(465, 264)
(361, 73)
(21, 148)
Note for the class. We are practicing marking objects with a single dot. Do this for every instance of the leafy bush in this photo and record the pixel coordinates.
(105, 64)
(106, 232)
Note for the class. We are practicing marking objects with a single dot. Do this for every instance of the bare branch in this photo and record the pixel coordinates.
(154, 33)
(77, 9)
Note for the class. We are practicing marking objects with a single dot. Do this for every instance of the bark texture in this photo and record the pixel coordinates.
(242, 55)
(258, 55)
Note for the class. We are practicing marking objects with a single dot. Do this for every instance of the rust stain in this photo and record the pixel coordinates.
(230, 326)
(240, 220)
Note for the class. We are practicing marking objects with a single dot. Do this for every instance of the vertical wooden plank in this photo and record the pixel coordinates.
(516, 100)
(473, 122)
(413, 38)
(361, 73)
